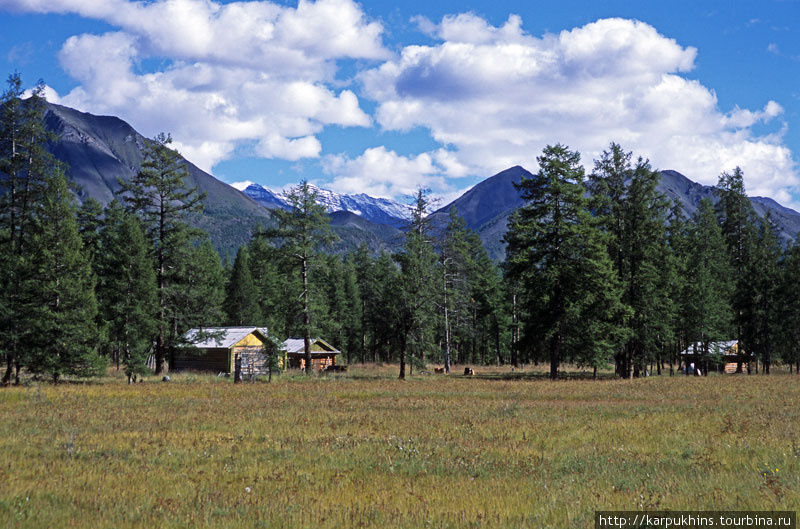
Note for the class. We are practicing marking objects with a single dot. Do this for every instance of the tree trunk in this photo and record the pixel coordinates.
(629, 364)
(555, 355)
(306, 317)
(446, 330)
(9, 368)
(497, 342)
(160, 355)
(514, 332)
(363, 334)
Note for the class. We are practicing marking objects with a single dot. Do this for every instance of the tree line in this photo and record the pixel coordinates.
(601, 270)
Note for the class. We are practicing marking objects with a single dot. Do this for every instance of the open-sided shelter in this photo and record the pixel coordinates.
(722, 356)
(323, 354)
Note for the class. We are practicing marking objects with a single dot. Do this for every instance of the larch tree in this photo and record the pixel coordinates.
(201, 291)
(558, 255)
(709, 281)
(385, 309)
(789, 307)
(739, 226)
(364, 268)
(646, 246)
(126, 289)
(633, 213)
(90, 221)
(353, 317)
(419, 286)
(58, 302)
(159, 195)
(456, 265)
(28, 170)
(329, 310)
(299, 233)
(486, 286)
(241, 295)
(266, 270)
(760, 316)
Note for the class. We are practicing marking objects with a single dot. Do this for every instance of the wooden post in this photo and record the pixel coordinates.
(237, 369)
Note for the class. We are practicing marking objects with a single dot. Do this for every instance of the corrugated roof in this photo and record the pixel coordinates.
(713, 348)
(297, 345)
(221, 337)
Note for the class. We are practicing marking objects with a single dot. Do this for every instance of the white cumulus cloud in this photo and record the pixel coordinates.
(243, 73)
(495, 96)
(381, 172)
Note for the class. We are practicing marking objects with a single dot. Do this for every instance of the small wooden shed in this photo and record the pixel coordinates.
(216, 349)
(323, 354)
(723, 356)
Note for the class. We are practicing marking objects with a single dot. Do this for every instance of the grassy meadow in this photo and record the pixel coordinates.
(366, 450)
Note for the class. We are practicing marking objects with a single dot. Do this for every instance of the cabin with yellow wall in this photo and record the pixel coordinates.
(216, 349)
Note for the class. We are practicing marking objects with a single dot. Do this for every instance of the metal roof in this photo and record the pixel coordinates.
(220, 337)
(297, 345)
(723, 348)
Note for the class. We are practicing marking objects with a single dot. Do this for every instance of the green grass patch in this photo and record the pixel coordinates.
(365, 450)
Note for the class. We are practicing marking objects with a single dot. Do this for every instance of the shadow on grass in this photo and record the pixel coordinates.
(539, 375)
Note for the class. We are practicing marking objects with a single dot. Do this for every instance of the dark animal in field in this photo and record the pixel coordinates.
(468, 371)
(438, 370)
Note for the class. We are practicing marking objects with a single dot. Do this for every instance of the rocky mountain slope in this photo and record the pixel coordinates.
(99, 150)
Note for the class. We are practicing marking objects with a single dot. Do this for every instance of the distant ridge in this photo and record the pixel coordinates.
(377, 210)
(487, 206)
(101, 149)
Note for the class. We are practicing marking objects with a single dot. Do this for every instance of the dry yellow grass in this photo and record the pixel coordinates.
(366, 450)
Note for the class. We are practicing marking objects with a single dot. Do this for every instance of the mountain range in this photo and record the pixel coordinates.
(99, 150)
(378, 210)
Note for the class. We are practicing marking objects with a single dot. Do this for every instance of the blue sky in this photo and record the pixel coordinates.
(382, 97)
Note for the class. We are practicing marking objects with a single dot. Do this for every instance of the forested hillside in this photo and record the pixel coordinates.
(602, 269)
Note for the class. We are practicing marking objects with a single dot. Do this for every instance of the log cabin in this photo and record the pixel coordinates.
(216, 349)
(323, 354)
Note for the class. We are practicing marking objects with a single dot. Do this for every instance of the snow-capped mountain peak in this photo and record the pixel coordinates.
(241, 186)
(378, 210)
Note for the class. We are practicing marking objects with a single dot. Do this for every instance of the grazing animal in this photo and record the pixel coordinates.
(438, 370)
(468, 371)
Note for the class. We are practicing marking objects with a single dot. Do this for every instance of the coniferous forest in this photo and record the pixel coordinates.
(602, 271)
